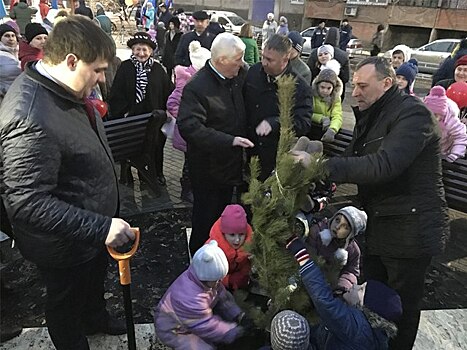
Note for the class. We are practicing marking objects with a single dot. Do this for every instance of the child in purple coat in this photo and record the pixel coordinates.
(334, 241)
(197, 312)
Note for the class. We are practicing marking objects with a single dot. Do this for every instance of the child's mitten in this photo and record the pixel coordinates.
(325, 236)
(328, 136)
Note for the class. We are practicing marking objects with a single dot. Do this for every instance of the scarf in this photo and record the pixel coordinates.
(142, 71)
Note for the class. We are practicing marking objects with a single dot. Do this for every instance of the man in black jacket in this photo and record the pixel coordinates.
(394, 158)
(59, 186)
(182, 55)
(212, 120)
(261, 102)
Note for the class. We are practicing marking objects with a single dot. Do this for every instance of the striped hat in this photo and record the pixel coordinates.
(290, 331)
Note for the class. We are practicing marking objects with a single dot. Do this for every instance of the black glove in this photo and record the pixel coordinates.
(247, 323)
(297, 248)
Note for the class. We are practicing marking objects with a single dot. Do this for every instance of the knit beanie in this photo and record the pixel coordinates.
(282, 19)
(326, 48)
(382, 300)
(290, 331)
(408, 70)
(233, 219)
(458, 93)
(297, 40)
(461, 61)
(34, 29)
(5, 28)
(356, 218)
(210, 263)
(198, 54)
(327, 75)
(437, 100)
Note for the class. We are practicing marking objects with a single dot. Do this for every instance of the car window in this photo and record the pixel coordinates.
(308, 32)
(443, 46)
(222, 21)
(236, 20)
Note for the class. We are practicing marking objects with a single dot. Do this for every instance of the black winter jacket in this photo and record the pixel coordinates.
(394, 158)
(59, 186)
(182, 55)
(211, 114)
(262, 104)
(122, 98)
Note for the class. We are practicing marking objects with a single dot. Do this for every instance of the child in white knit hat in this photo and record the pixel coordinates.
(196, 311)
(326, 58)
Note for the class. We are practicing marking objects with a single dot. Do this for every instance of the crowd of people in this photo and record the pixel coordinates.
(60, 188)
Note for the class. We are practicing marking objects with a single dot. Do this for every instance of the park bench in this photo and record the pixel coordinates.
(133, 142)
(454, 174)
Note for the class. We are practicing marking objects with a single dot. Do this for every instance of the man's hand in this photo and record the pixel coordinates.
(242, 142)
(119, 233)
(263, 129)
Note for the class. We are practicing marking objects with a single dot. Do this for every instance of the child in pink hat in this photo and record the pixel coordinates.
(232, 231)
(453, 132)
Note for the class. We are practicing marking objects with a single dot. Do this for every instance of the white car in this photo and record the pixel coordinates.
(229, 20)
(430, 55)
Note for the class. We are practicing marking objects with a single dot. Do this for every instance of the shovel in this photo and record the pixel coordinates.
(123, 259)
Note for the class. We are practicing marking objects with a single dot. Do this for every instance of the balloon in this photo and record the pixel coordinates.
(100, 106)
(458, 93)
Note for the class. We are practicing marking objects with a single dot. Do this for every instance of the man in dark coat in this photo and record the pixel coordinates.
(261, 102)
(59, 185)
(83, 10)
(341, 56)
(164, 15)
(182, 55)
(394, 158)
(319, 34)
(212, 120)
(345, 33)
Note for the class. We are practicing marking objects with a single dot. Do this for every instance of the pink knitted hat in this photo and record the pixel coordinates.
(437, 100)
(233, 219)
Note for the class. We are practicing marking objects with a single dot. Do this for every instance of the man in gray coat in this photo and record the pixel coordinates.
(58, 183)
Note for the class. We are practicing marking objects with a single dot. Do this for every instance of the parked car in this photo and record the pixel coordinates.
(229, 20)
(355, 47)
(430, 55)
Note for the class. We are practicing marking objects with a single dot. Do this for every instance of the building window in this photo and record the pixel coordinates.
(297, 2)
(368, 2)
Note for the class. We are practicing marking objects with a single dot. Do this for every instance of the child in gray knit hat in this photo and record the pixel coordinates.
(334, 241)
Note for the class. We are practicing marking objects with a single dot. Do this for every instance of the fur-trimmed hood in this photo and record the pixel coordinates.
(378, 322)
(336, 92)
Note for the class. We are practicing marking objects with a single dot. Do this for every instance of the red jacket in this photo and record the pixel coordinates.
(239, 264)
(27, 53)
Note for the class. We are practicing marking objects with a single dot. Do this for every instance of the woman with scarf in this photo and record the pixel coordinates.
(141, 85)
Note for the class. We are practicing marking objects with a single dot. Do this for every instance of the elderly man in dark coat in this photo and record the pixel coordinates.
(212, 120)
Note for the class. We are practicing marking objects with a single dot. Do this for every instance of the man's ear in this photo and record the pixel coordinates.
(388, 82)
(71, 61)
